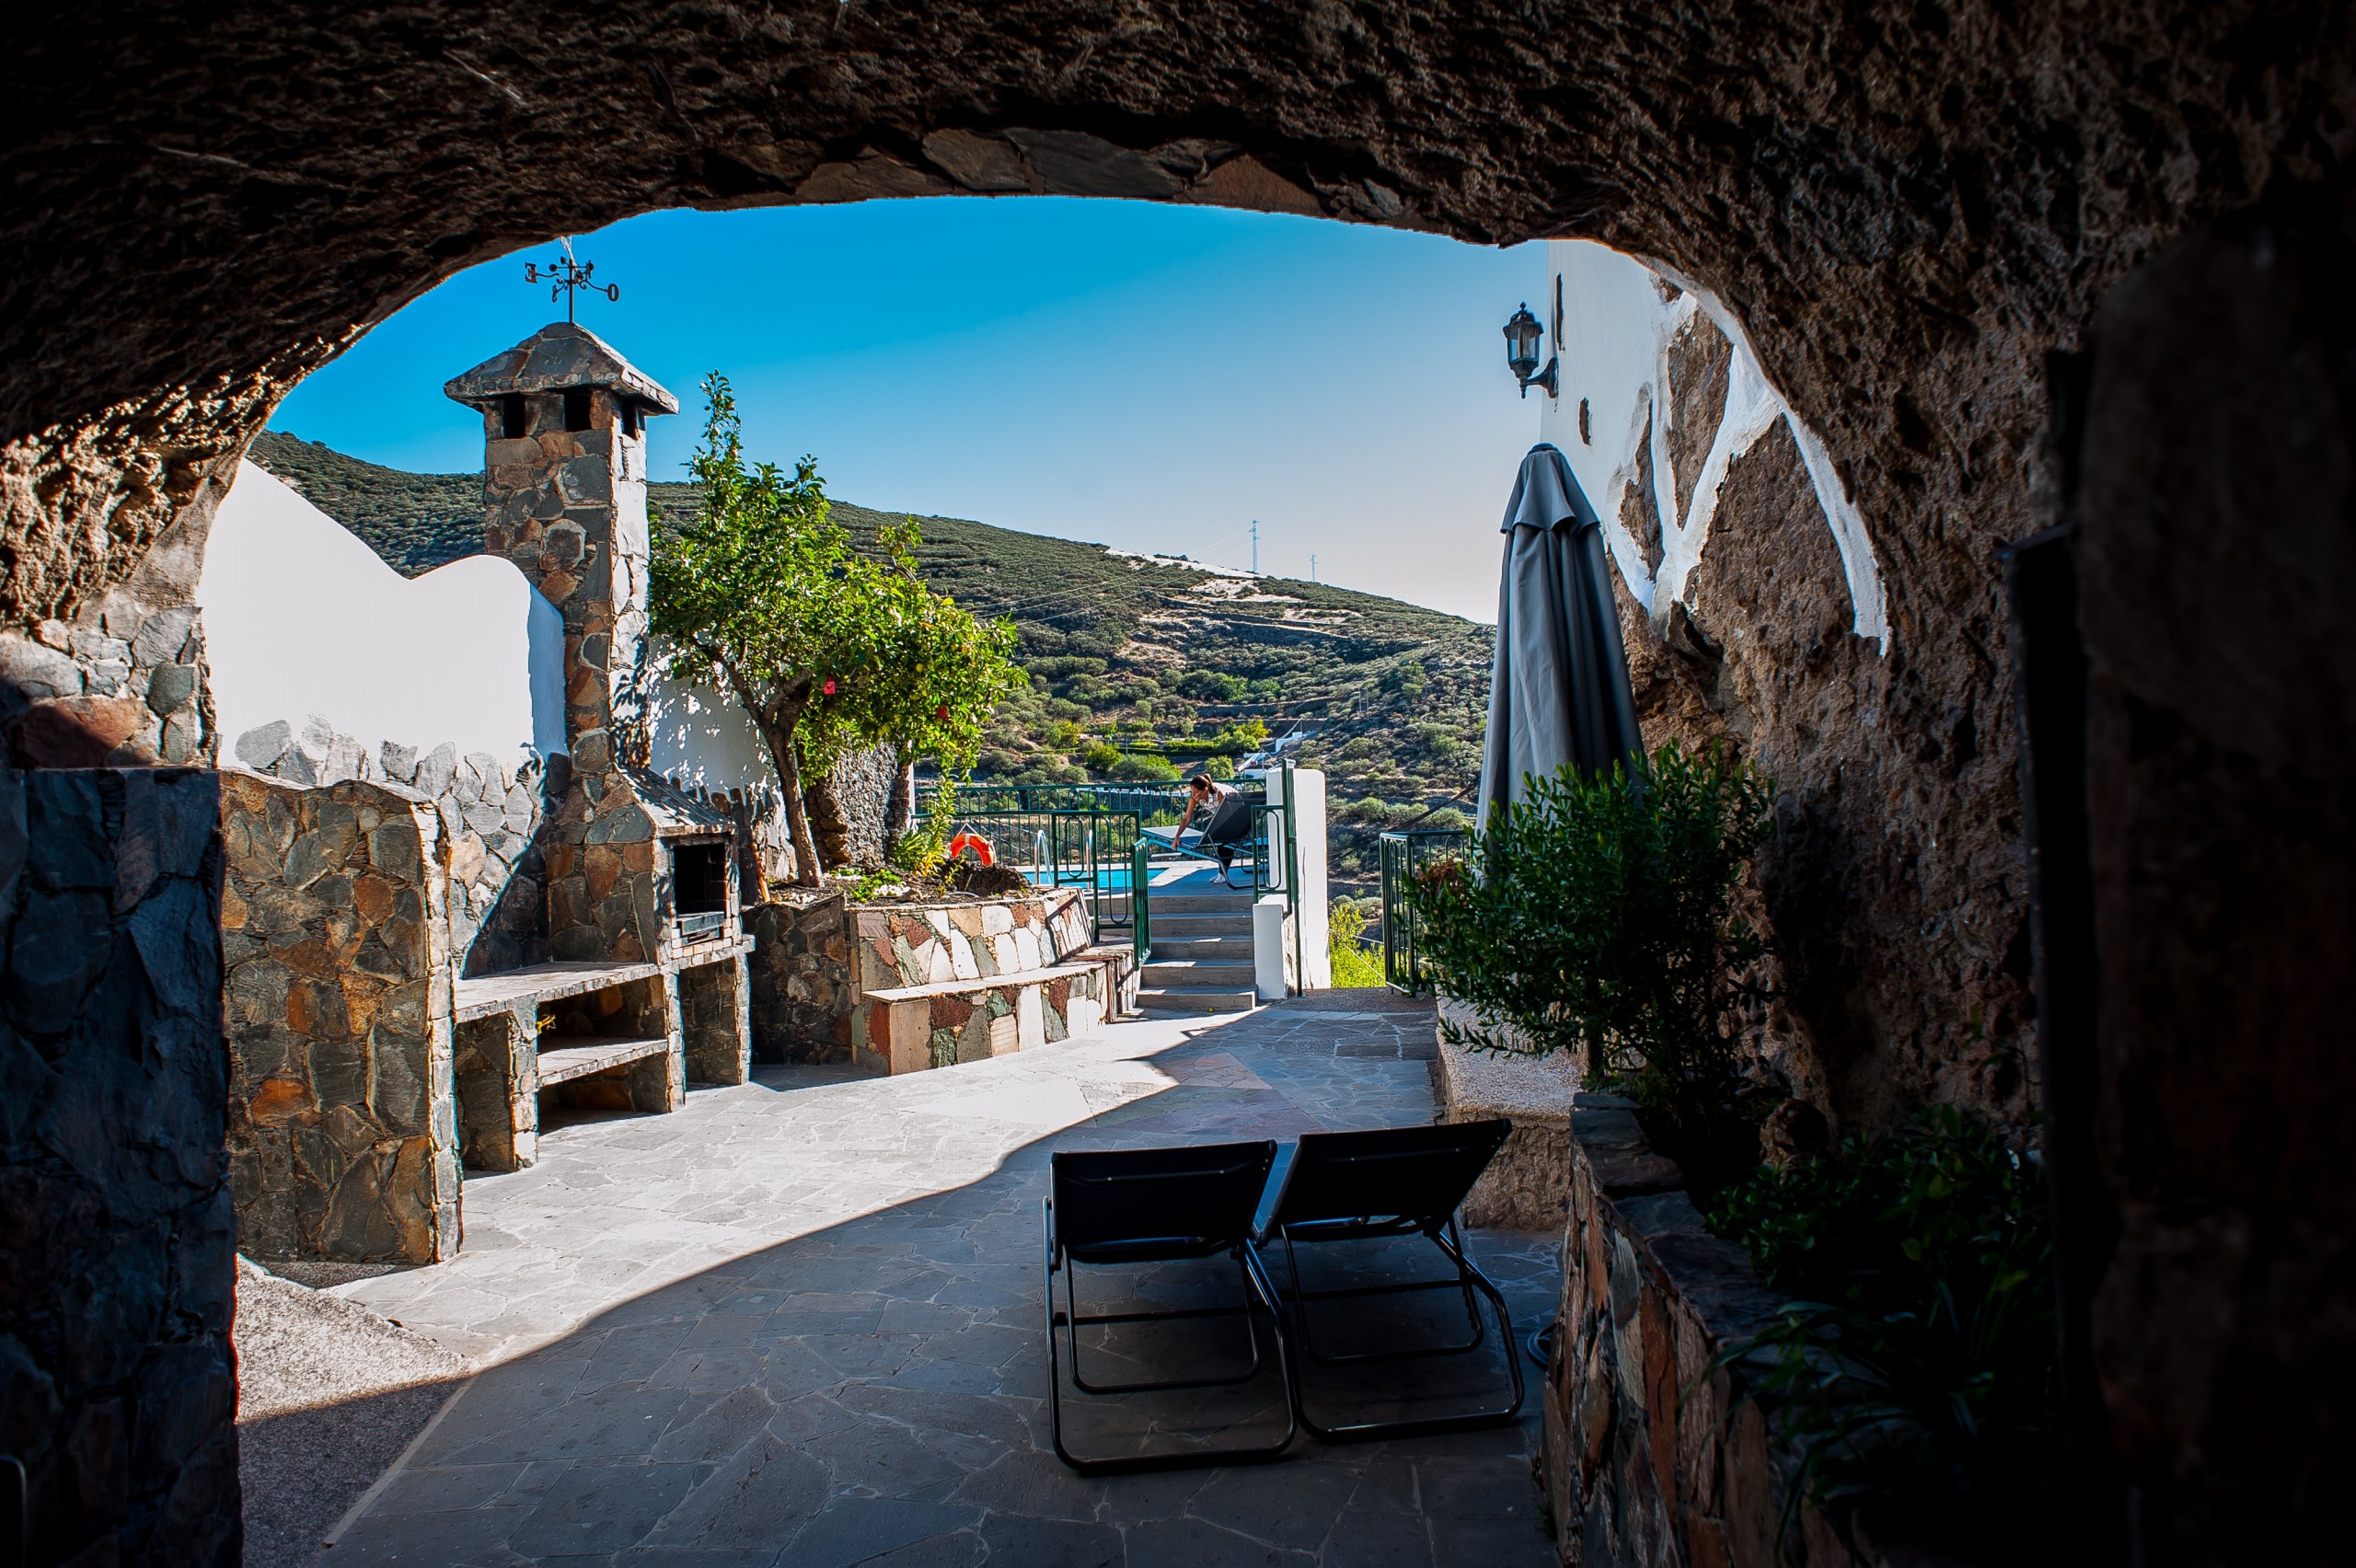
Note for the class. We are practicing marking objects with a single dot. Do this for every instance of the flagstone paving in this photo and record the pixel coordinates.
(798, 1323)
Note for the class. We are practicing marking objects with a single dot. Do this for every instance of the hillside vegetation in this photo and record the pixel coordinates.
(1141, 668)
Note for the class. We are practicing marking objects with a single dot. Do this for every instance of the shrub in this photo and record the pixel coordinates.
(1597, 917)
(1356, 965)
(1139, 770)
(1917, 1367)
(1219, 767)
(1101, 756)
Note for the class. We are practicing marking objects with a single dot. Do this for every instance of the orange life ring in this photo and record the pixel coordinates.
(976, 842)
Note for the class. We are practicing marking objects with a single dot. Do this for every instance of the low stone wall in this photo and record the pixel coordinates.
(342, 1134)
(802, 988)
(490, 815)
(117, 1241)
(819, 961)
(1652, 1459)
(921, 944)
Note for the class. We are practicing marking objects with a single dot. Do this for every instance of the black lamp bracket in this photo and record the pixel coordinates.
(1549, 378)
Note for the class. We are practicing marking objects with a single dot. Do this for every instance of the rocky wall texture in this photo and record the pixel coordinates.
(1893, 887)
(117, 1238)
(1652, 1456)
(715, 1021)
(125, 687)
(343, 1132)
(2213, 456)
(803, 985)
(489, 813)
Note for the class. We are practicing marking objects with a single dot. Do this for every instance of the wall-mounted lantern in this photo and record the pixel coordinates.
(1522, 334)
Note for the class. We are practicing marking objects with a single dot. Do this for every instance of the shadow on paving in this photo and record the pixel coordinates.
(876, 1393)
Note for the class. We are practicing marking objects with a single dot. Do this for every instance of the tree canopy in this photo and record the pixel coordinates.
(827, 647)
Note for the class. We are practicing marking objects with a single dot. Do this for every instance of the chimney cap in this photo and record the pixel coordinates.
(559, 357)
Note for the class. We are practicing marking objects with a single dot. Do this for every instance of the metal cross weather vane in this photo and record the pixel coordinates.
(565, 275)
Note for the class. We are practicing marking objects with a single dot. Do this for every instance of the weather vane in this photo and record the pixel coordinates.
(564, 275)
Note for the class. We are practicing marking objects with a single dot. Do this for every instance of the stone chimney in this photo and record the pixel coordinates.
(564, 497)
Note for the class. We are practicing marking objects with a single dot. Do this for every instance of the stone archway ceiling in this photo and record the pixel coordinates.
(1904, 202)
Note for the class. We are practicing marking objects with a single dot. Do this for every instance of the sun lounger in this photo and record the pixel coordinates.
(1144, 1206)
(1396, 1183)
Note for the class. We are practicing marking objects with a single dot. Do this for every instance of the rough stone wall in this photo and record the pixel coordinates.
(1652, 1458)
(715, 1021)
(802, 988)
(342, 1134)
(862, 783)
(123, 688)
(489, 813)
(117, 1383)
(1894, 885)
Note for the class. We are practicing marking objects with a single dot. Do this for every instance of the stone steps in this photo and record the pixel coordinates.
(1201, 961)
(1230, 974)
(1195, 999)
(1236, 948)
(1230, 903)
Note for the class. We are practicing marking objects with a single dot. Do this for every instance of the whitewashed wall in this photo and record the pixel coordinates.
(304, 620)
(700, 738)
(1618, 316)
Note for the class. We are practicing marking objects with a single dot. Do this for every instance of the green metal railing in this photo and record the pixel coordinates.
(1141, 902)
(1068, 848)
(1154, 804)
(1401, 853)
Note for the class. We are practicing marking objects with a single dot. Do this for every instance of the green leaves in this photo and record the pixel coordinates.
(1917, 1364)
(1597, 917)
(828, 647)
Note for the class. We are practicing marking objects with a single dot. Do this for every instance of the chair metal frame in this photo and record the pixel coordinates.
(1441, 1229)
(1257, 1293)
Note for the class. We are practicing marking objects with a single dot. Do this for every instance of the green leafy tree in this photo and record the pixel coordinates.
(938, 674)
(1597, 917)
(825, 647)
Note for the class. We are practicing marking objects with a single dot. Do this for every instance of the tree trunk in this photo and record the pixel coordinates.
(797, 820)
(900, 814)
(826, 819)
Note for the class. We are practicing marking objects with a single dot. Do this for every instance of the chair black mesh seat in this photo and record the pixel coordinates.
(1380, 1185)
(1139, 1207)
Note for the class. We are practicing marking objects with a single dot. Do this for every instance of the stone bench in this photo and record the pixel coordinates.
(904, 1029)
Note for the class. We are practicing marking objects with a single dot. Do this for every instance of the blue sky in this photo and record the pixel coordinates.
(1145, 376)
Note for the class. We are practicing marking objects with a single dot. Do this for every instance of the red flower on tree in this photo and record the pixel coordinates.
(830, 686)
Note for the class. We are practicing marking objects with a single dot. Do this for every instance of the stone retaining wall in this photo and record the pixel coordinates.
(1651, 1459)
(1527, 1186)
(818, 962)
(342, 1134)
(117, 1384)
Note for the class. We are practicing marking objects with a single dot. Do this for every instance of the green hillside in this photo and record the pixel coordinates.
(1140, 668)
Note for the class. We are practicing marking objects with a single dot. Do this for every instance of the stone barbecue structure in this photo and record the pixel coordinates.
(425, 950)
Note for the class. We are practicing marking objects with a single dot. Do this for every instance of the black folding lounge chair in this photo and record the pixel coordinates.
(1160, 1205)
(1399, 1181)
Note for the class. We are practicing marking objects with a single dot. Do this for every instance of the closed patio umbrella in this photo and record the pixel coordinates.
(1559, 691)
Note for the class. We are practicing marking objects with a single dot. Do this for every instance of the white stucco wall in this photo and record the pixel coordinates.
(701, 738)
(1617, 325)
(301, 618)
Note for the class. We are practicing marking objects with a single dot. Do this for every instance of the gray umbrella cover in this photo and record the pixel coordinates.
(1559, 690)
